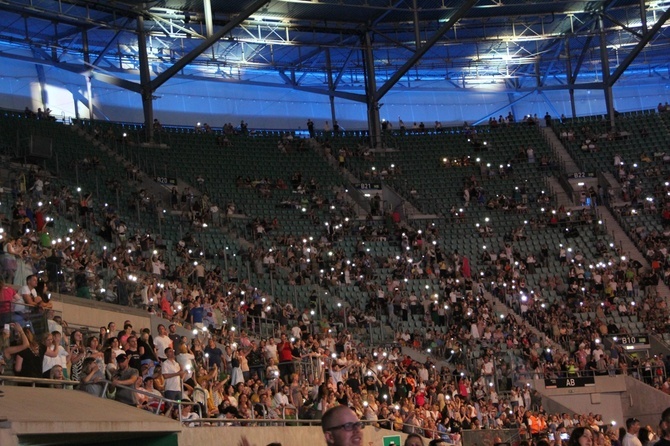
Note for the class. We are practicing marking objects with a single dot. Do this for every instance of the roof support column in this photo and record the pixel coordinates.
(605, 63)
(89, 86)
(145, 80)
(41, 77)
(417, 32)
(84, 43)
(89, 96)
(329, 73)
(571, 80)
(209, 22)
(374, 125)
(510, 99)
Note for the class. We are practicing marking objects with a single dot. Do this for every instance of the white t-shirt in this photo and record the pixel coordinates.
(61, 359)
(631, 440)
(280, 400)
(161, 343)
(271, 351)
(25, 289)
(172, 366)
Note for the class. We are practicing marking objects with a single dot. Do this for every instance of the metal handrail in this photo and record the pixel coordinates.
(38, 381)
(219, 422)
(161, 399)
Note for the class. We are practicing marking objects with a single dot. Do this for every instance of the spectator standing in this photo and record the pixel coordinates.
(310, 128)
(285, 351)
(162, 342)
(632, 428)
(173, 375)
(125, 376)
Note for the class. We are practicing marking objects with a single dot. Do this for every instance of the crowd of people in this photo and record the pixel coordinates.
(341, 427)
(312, 363)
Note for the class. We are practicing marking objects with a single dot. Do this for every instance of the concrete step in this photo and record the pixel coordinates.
(562, 197)
(559, 151)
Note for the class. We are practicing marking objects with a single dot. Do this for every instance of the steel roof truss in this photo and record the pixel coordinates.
(211, 40)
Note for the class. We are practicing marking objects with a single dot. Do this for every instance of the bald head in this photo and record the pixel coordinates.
(341, 427)
(333, 416)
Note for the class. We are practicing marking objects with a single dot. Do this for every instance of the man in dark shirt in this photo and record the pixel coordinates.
(354, 382)
(133, 353)
(255, 361)
(174, 336)
(214, 355)
(310, 128)
(197, 313)
(125, 376)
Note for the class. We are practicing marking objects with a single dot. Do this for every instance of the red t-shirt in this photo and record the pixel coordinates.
(39, 221)
(6, 297)
(285, 352)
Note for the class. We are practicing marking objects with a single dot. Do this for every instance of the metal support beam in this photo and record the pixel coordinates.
(417, 31)
(554, 59)
(107, 47)
(605, 62)
(145, 80)
(374, 124)
(510, 98)
(584, 86)
(211, 40)
(89, 98)
(456, 16)
(639, 47)
(78, 69)
(582, 56)
(288, 80)
(623, 26)
(329, 75)
(571, 80)
(108, 79)
(209, 22)
(343, 69)
(551, 106)
(498, 110)
(84, 41)
(42, 79)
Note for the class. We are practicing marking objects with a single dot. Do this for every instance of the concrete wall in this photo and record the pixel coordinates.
(643, 402)
(261, 436)
(615, 397)
(78, 311)
(604, 398)
(7, 438)
(606, 404)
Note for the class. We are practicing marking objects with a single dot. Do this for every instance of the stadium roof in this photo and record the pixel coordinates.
(320, 45)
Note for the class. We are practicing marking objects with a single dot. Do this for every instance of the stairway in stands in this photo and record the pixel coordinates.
(628, 249)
